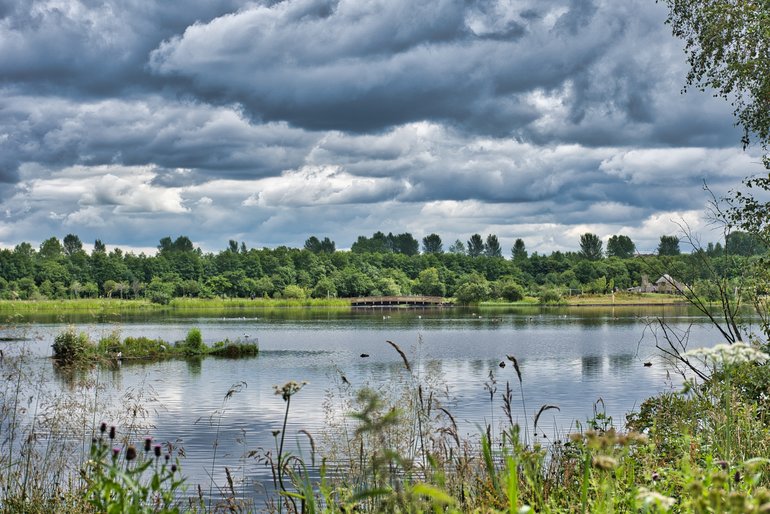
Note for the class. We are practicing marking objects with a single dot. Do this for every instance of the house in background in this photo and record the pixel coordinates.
(665, 284)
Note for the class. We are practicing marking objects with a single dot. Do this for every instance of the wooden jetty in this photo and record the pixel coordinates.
(396, 301)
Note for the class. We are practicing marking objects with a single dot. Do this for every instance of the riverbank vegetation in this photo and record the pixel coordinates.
(72, 348)
(180, 274)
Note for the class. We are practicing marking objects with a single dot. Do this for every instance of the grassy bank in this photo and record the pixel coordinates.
(116, 306)
(625, 299)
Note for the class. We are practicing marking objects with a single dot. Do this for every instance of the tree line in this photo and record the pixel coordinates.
(378, 265)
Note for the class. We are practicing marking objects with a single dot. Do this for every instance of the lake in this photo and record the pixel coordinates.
(582, 360)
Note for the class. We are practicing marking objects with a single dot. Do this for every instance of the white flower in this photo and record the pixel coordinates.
(728, 354)
(647, 498)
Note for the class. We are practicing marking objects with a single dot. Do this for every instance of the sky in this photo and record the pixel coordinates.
(270, 121)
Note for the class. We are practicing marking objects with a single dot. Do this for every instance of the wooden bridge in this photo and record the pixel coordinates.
(394, 301)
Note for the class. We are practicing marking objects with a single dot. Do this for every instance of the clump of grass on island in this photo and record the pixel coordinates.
(72, 348)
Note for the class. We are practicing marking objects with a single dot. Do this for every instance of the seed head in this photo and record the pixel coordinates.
(157, 450)
(130, 453)
(112, 432)
(173, 468)
(147, 444)
(103, 427)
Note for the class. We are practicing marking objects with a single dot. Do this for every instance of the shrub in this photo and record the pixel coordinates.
(193, 343)
(292, 291)
(512, 291)
(71, 347)
(550, 296)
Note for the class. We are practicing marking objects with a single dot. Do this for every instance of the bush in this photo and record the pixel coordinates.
(512, 291)
(550, 296)
(71, 347)
(292, 291)
(193, 343)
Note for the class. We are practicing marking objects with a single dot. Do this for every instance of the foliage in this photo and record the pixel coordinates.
(550, 296)
(669, 245)
(193, 342)
(473, 290)
(620, 246)
(590, 246)
(313, 244)
(519, 251)
(728, 48)
(432, 244)
(131, 481)
(492, 246)
(71, 347)
(475, 246)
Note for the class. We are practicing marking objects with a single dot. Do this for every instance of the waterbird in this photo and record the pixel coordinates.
(502, 364)
(364, 355)
(647, 364)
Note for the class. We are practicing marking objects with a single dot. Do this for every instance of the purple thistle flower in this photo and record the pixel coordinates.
(112, 432)
(147, 444)
(173, 468)
(103, 427)
(157, 450)
(115, 453)
(130, 453)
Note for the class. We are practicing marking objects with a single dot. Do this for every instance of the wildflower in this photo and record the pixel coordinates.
(648, 498)
(103, 427)
(737, 477)
(112, 432)
(115, 453)
(655, 476)
(173, 468)
(604, 462)
(147, 444)
(728, 354)
(130, 453)
(289, 389)
(157, 450)
(167, 457)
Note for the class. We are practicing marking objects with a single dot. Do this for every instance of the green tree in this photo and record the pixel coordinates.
(51, 249)
(324, 288)
(99, 247)
(492, 247)
(457, 248)
(432, 244)
(315, 245)
(473, 289)
(669, 245)
(429, 283)
(590, 247)
(475, 245)
(519, 251)
(743, 243)
(620, 246)
(72, 245)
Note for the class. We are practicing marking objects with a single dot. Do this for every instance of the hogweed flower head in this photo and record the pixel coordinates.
(289, 389)
(647, 498)
(728, 354)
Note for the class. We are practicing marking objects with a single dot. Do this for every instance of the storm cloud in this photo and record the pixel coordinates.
(269, 122)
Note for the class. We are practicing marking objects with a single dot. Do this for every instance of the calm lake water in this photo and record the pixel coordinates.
(569, 357)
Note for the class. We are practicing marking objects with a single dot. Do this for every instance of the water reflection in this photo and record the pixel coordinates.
(591, 366)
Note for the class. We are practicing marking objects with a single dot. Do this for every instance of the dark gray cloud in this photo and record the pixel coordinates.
(129, 120)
